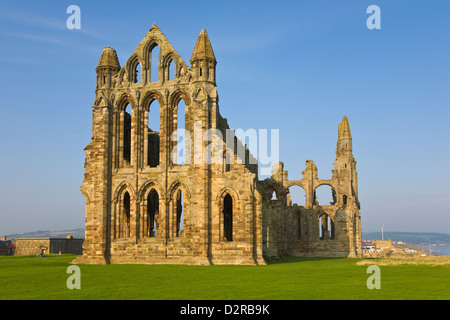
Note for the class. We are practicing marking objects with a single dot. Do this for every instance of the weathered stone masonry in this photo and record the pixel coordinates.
(68, 245)
(145, 206)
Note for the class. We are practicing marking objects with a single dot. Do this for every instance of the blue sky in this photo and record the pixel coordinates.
(296, 66)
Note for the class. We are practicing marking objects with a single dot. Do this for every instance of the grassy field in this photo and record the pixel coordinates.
(32, 277)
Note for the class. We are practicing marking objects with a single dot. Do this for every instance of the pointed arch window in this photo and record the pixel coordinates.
(152, 222)
(274, 195)
(127, 133)
(154, 63)
(179, 213)
(137, 73)
(181, 133)
(124, 229)
(228, 218)
(154, 114)
(326, 227)
(171, 70)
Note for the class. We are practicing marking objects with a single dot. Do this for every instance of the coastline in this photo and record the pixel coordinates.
(437, 250)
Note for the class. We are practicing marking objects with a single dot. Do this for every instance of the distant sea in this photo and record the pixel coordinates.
(440, 251)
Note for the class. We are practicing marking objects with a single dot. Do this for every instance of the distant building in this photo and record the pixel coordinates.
(69, 245)
(6, 247)
(387, 248)
(382, 244)
(367, 246)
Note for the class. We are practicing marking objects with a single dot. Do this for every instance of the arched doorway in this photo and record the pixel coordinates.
(326, 227)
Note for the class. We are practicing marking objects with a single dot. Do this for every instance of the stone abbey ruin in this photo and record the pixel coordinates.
(145, 206)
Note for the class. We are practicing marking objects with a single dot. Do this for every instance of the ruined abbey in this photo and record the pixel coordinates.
(145, 203)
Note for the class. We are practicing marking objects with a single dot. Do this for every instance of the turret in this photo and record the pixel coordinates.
(108, 66)
(345, 166)
(203, 61)
(344, 143)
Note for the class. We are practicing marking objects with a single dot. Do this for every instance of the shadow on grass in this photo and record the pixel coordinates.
(300, 259)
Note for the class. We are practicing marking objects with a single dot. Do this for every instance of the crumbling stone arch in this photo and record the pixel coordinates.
(228, 203)
(177, 95)
(152, 210)
(174, 125)
(147, 186)
(152, 144)
(124, 185)
(226, 190)
(132, 65)
(151, 95)
(288, 192)
(326, 226)
(174, 186)
(148, 48)
(178, 202)
(151, 215)
(274, 191)
(124, 212)
(123, 131)
(123, 100)
(166, 65)
(333, 193)
(149, 58)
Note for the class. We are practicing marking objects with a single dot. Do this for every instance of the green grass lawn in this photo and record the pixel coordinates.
(32, 277)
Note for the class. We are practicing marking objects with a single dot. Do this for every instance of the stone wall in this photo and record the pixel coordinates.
(27, 246)
(32, 246)
(382, 244)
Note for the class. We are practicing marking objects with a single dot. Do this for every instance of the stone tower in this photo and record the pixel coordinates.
(177, 191)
